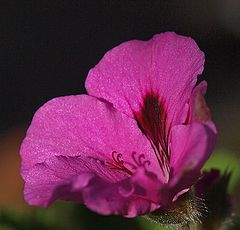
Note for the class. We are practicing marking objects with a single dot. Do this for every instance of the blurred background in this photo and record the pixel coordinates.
(47, 49)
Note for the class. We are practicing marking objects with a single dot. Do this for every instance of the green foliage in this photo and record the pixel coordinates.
(147, 225)
(226, 160)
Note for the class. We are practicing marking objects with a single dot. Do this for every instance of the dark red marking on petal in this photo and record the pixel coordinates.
(151, 120)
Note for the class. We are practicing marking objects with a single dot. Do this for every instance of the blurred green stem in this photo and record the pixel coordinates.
(192, 226)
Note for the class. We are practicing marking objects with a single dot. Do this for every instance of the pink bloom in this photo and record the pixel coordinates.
(135, 143)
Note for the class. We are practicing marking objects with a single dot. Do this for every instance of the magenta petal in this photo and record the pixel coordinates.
(167, 65)
(77, 179)
(83, 126)
(191, 146)
(140, 199)
(199, 111)
(59, 177)
(136, 144)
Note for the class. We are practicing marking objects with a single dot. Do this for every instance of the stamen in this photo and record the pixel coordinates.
(118, 163)
(140, 161)
(146, 163)
(134, 158)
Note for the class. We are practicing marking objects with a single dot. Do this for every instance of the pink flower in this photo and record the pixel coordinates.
(135, 143)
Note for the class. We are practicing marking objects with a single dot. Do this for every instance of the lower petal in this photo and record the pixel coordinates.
(130, 197)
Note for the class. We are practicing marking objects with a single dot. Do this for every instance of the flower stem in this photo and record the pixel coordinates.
(190, 227)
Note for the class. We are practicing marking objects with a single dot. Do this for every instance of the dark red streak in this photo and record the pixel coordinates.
(151, 120)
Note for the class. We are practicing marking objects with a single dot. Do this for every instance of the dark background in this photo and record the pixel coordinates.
(48, 47)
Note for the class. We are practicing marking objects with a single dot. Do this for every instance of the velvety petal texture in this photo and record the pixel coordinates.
(87, 181)
(167, 64)
(191, 146)
(83, 126)
(135, 143)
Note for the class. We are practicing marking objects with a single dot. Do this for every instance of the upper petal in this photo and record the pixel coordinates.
(167, 66)
(84, 126)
